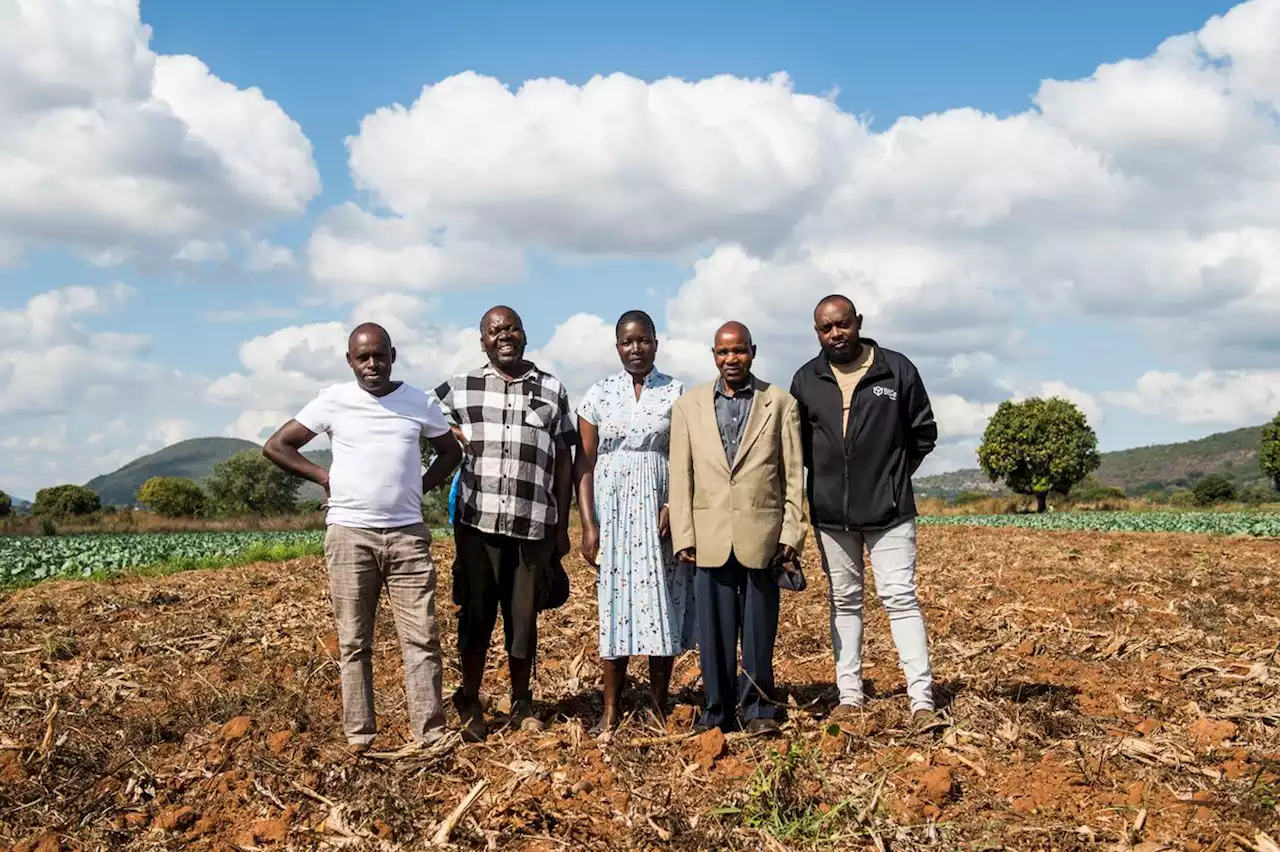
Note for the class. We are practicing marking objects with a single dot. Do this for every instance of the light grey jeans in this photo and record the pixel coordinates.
(360, 562)
(893, 559)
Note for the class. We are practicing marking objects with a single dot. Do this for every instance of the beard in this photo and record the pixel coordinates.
(844, 354)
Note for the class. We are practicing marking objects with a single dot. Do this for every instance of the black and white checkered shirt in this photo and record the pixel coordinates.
(516, 429)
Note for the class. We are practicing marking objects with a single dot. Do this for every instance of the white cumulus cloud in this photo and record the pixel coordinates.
(1226, 398)
(614, 165)
(120, 153)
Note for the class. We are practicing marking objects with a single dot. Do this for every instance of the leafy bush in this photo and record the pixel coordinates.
(1097, 493)
(172, 496)
(6, 505)
(1256, 493)
(66, 500)
(1214, 488)
(965, 498)
(1182, 498)
(249, 484)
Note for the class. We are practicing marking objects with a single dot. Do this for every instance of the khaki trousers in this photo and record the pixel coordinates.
(361, 562)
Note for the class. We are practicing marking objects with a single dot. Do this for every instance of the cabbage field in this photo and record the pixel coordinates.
(1220, 523)
(27, 559)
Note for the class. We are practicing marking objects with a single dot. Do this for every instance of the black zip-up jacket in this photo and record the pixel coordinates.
(862, 480)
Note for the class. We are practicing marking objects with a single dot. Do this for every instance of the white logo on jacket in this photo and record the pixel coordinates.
(883, 391)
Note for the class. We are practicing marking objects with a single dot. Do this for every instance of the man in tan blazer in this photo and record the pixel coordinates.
(736, 504)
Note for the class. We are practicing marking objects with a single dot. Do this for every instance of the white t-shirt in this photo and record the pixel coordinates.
(376, 476)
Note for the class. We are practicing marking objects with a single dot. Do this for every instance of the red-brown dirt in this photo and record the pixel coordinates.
(1100, 691)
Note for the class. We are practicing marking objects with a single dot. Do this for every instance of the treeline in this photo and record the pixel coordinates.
(245, 485)
(1206, 491)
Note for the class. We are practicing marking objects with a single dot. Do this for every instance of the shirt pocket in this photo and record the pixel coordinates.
(540, 414)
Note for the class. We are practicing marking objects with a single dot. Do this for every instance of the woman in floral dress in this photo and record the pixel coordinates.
(645, 596)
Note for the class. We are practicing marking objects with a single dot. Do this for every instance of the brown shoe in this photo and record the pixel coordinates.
(923, 721)
(357, 749)
(846, 713)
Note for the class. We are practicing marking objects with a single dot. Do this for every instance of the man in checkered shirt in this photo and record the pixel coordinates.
(512, 509)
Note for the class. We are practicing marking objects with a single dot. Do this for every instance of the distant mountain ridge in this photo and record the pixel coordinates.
(1151, 470)
(193, 459)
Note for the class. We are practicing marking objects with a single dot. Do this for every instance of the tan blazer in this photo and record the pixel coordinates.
(746, 508)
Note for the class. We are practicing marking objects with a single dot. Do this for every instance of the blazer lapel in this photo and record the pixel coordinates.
(756, 421)
(711, 427)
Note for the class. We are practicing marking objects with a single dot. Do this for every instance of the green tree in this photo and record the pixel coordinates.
(1214, 488)
(6, 505)
(249, 484)
(1037, 446)
(172, 496)
(1269, 451)
(63, 500)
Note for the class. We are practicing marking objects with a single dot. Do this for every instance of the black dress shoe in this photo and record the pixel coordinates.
(763, 727)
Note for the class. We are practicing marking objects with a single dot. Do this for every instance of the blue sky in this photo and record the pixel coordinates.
(923, 91)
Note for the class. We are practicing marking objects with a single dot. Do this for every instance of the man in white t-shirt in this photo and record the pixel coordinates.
(376, 535)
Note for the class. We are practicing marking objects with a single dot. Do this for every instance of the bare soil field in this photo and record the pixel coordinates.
(1101, 691)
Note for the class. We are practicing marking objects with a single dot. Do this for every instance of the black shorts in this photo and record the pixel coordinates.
(492, 571)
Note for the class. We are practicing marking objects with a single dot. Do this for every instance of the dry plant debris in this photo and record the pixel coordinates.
(1102, 691)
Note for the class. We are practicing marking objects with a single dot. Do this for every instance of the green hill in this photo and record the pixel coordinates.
(19, 506)
(193, 459)
(1152, 470)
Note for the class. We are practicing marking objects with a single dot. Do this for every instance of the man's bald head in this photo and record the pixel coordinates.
(734, 352)
(839, 327)
(503, 339)
(735, 330)
(498, 312)
(370, 356)
(368, 329)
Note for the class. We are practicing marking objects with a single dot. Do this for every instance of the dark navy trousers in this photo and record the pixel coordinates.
(735, 602)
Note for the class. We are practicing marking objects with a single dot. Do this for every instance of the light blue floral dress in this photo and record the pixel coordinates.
(645, 595)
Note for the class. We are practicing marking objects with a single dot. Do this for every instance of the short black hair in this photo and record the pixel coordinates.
(638, 317)
(836, 297)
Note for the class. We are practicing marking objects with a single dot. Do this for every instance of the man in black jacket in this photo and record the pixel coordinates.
(866, 425)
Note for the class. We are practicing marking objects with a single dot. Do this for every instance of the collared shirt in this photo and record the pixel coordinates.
(848, 376)
(515, 428)
(731, 416)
